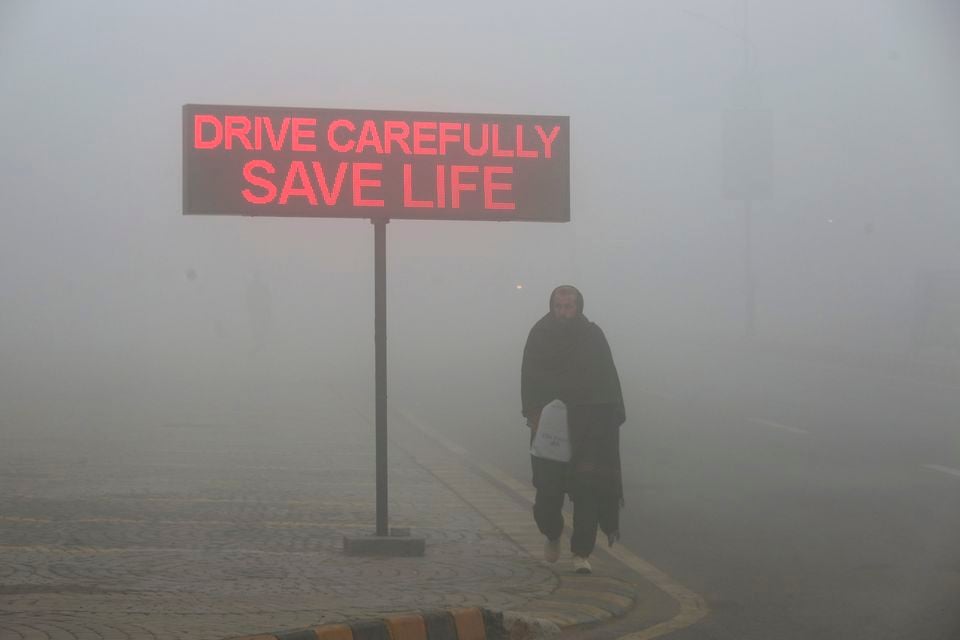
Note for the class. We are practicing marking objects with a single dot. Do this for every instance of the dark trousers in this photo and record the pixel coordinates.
(590, 509)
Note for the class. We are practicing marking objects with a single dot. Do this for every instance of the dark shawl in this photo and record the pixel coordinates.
(571, 360)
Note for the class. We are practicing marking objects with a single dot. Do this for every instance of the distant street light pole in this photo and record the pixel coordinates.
(749, 282)
(748, 152)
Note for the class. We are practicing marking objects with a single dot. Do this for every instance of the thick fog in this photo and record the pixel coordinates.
(116, 310)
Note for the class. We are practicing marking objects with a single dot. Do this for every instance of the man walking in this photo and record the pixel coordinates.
(567, 358)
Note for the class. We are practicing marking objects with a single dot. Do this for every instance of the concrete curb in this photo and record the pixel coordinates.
(455, 624)
(578, 600)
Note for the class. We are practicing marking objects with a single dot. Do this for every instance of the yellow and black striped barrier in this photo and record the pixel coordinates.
(456, 624)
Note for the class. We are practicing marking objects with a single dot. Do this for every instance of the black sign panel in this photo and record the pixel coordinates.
(340, 163)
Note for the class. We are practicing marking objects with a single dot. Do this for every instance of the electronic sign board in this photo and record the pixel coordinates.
(343, 163)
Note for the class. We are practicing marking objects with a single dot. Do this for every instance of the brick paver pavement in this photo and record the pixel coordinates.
(208, 531)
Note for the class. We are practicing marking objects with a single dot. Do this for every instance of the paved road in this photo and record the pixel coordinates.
(799, 499)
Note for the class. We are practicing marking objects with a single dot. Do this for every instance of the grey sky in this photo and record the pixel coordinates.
(105, 286)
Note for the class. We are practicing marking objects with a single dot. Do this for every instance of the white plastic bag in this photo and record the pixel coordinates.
(552, 440)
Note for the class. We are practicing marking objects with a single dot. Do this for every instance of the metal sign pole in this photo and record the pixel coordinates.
(380, 358)
(386, 541)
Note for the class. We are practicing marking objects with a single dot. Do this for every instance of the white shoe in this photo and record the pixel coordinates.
(581, 565)
(551, 550)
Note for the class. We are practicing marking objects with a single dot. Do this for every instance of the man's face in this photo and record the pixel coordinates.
(565, 306)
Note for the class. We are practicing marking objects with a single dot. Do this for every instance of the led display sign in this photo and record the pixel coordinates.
(339, 163)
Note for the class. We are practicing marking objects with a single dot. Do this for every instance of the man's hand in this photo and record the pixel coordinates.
(533, 420)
